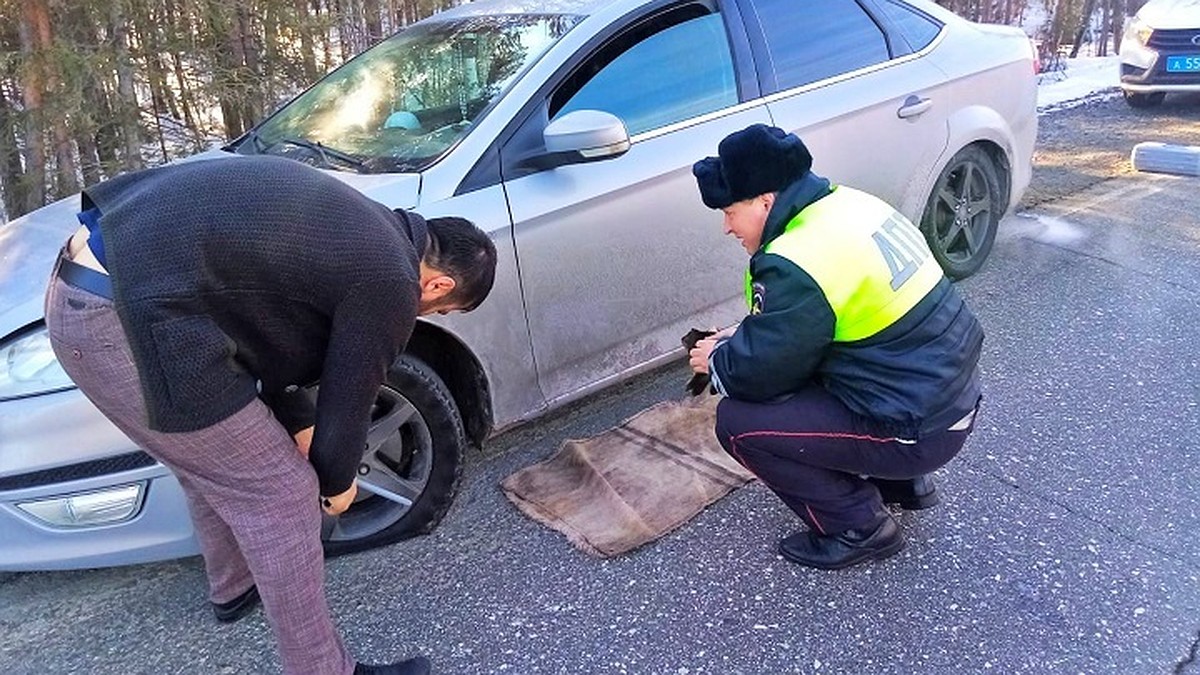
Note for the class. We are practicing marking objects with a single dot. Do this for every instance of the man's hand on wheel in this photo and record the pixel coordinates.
(336, 505)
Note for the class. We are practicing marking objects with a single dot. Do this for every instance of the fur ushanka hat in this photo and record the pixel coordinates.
(754, 161)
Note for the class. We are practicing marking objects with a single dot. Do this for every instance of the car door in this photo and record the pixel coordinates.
(855, 86)
(618, 258)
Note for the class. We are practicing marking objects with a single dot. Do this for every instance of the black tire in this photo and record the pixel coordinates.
(416, 446)
(963, 212)
(1136, 100)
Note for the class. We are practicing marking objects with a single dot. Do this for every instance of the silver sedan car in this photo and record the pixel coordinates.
(567, 131)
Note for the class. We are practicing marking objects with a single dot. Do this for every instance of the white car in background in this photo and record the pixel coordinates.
(568, 130)
(1160, 52)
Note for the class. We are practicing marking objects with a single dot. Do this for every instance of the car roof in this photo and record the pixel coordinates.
(491, 7)
(589, 7)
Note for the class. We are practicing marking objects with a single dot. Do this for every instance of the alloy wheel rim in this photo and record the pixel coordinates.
(393, 473)
(963, 213)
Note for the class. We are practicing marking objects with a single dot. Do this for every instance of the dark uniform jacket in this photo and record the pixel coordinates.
(916, 376)
(241, 274)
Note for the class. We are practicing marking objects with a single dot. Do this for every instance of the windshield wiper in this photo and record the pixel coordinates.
(325, 152)
(256, 143)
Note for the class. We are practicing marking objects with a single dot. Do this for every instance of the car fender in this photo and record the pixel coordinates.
(974, 124)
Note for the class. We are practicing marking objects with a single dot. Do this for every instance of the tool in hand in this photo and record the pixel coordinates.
(699, 381)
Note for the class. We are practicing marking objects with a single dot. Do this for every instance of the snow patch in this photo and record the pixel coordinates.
(1086, 79)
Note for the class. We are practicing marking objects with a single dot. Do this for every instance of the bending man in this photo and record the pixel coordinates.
(192, 309)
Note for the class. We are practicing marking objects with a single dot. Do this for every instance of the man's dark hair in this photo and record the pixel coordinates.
(466, 253)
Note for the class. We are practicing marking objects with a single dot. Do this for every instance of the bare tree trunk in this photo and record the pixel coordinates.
(178, 26)
(1118, 24)
(272, 59)
(108, 134)
(1060, 21)
(35, 20)
(308, 50)
(84, 96)
(235, 46)
(89, 157)
(347, 28)
(1105, 21)
(399, 13)
(43, 92)
(250, 66)
(156, 103)
(1089, 6)
(67, 176)
(374, 21)
(127, 104)
(232, 117)
(162, 101)
(227, 78)
(186, 103)
(12, 183)
(326, 41)
(148, 30)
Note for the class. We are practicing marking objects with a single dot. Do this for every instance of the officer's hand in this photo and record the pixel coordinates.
(698, 357)
(304, 440)
(338, 504)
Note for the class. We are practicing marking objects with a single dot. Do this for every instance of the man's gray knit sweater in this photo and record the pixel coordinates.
(231, 275)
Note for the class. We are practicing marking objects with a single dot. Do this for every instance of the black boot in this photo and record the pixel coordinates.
(418, 665)
(912, 494)
(835, 551)
(228, 612)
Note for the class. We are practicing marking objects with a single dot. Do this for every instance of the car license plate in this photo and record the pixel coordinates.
(1183, 64)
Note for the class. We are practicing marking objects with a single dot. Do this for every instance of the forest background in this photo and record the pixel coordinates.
(93, 88)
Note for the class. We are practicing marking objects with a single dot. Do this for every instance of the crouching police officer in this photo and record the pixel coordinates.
(856, 369)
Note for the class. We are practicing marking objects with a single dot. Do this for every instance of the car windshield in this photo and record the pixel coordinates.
(403, 103)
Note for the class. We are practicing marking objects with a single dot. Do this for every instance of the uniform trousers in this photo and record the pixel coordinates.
(251, 494)
(813, 452)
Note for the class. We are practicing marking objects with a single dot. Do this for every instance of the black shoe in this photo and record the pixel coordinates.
(418, 665)
(228, 612)
(835, 551)
(912, 494)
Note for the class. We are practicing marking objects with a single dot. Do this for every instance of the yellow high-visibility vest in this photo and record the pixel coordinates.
(871, 263)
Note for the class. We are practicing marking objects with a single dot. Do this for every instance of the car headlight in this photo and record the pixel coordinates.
(1138, 31)
(28, 366)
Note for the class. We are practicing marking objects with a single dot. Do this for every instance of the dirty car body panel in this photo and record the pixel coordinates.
(607, 255)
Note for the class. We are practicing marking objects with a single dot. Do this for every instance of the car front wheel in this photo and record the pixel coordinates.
(1136, 100)
(410, 468)
(963, 212)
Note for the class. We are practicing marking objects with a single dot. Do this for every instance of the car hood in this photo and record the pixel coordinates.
(28, 247)
(1171, 14)
(393, 190)
(30, 244)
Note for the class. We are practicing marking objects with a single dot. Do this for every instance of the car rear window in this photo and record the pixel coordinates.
(810, 45)
(914, 27)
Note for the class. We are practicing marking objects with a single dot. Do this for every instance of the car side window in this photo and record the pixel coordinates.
(669, 68)
(806, 45)
(914, 27)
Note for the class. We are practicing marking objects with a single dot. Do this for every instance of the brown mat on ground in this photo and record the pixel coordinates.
(633, 483)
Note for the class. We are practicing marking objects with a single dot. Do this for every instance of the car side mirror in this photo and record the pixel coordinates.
(581, 136)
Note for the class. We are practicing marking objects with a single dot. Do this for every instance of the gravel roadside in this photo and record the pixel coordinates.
(1084, 145)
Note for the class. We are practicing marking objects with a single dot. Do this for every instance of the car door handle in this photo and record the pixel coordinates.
(913, 106)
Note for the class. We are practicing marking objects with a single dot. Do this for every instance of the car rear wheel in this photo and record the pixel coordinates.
(410, 469)
(963, 212)
(1136, 100)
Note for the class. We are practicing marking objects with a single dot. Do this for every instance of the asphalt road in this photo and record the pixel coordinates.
(1067, 540)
